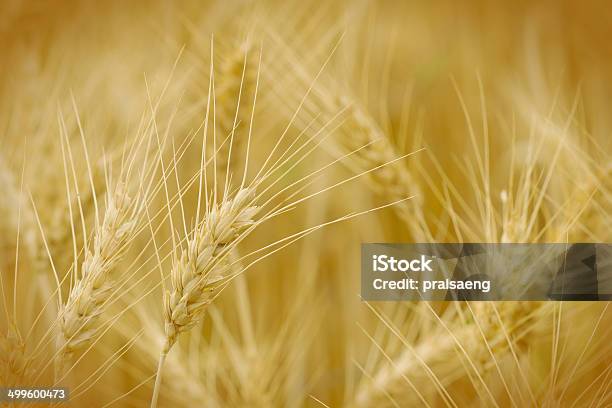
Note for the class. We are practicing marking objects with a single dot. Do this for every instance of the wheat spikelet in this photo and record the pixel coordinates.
(87, 297)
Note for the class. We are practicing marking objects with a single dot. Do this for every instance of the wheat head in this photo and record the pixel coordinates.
(90, 293)
(200, 270)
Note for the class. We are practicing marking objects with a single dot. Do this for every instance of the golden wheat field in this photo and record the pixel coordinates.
(185, 188)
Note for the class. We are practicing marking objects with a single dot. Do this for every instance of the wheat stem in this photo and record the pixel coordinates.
(158, 376)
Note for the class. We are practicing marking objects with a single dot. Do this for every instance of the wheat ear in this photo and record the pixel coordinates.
(89, 295)
(200, 269)
(393, 181)
(360, 130)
